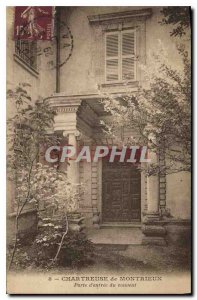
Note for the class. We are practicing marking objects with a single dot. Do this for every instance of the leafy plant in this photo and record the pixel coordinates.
(159, 112)
(38, 184)
(27, 133)
(179, 17)
(54, 225)
(76, 251)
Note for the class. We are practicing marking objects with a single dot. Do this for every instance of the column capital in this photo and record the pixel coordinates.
(74, 132)
(66, 112)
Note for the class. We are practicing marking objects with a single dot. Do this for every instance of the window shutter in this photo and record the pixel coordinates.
(112, 57)
(128, 55)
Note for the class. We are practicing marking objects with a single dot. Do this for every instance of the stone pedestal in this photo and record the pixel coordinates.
(75, 222)
(153, 230)
(154, 240)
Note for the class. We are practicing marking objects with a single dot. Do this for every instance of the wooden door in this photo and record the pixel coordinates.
(121, 192)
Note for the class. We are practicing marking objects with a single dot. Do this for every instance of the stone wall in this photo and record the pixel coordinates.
(178, 233)
(28, 222)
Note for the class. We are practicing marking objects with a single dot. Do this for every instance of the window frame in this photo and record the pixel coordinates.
(30, 66)
(120, 56)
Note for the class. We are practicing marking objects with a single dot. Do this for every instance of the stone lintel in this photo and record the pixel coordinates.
(64, 103)
(120, 16)
(72, 114)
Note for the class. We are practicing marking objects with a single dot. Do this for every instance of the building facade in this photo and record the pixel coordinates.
(103, 50)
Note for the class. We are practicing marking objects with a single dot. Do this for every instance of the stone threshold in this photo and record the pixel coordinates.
(121, 225)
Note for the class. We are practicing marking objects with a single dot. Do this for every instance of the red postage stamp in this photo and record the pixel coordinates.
(33, 22)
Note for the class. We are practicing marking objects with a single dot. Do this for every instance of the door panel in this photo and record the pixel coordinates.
(121, 196)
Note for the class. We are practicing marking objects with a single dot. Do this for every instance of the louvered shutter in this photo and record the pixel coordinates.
(112, 57)
(128, 55)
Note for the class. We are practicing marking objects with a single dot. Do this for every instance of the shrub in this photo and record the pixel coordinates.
(76, 250)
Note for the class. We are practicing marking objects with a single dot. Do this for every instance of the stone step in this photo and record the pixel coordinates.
(121, 225)
(115, 236)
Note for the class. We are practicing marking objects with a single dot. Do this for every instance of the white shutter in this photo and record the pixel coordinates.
(128, 55)
(112, 57)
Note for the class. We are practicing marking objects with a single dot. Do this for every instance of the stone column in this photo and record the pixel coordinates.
(154, 232)
(73, 167)
(153, 191)
(75, 219)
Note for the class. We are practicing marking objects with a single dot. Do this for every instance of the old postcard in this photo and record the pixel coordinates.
(98, 150)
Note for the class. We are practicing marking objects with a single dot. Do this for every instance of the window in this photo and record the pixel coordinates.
(120, 55)
(26, 51)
